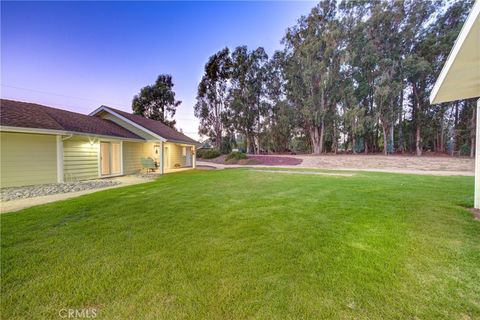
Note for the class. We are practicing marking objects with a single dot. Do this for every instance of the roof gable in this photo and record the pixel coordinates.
(150, 126)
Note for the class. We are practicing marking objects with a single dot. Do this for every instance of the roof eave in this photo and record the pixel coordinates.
(62, 132)
(464, 32)
(136, 125)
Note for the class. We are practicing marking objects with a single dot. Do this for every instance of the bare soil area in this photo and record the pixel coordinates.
(435, 165)
(393, 163)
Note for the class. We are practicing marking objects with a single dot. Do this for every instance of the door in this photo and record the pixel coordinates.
(110, 158)
(188, 156)
(105, 158)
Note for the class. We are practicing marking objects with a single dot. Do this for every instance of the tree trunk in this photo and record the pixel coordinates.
(316, 136)
(391, 139)
(401, 147)
(354, 144)
(385, 140)
(441, 142)
(334, 138)
(250, 143)
(418, 142)
(400, 122)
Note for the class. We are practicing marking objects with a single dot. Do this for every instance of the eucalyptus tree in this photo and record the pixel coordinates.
(417, 62)
(313, 69)
(157, 101)
(280, 118)
(212, 96)
(438, 42)
(246, 94)
(382, 27)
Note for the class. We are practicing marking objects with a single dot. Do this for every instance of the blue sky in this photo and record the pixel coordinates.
(77, 56)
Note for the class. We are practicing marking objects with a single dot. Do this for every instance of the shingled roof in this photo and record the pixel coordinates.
(154, 126)
(31, 115)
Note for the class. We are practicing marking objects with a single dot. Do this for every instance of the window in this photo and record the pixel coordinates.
(184, 151)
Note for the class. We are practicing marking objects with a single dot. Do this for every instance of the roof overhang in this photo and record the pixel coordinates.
(136, 125)
(61, 132)
(460, 76)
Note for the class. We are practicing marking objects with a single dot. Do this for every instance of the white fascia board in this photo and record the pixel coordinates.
(136, 125)
(62, 132)
(183, 143)
(467, 26)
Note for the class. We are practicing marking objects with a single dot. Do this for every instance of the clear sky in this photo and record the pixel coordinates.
(78, 56)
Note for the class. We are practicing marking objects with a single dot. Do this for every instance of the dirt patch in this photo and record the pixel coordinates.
(476, 213)
(264, 160)
(391, 163)
(308, 172)
(430, 165)
(276, 160)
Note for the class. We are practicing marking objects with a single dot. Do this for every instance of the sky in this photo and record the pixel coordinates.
(80, 55)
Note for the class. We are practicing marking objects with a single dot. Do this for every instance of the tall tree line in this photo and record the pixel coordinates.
(353, 76)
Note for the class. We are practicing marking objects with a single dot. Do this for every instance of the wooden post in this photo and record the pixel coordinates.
(161, 158)
(194, 157)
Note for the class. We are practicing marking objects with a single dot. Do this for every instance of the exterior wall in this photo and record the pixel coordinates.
(175, 155)
(132, 152)
(27, 159)
(80, 159)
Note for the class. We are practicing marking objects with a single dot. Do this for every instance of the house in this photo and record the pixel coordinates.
(40, 144)
(460, 78)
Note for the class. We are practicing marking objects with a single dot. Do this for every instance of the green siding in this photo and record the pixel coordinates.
(132, 152)
(80, 159)
(175, 155)
(27, 159)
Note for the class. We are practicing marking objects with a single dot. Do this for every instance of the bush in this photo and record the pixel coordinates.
(465, 150)
(226, 146)
(207, 153)
(236, 156)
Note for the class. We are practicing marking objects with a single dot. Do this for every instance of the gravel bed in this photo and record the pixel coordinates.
(14, 193)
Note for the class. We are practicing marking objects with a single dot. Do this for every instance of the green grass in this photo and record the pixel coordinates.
(238, 244)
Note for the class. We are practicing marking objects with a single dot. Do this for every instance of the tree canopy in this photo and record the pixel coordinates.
(354, 76)
(157, 101)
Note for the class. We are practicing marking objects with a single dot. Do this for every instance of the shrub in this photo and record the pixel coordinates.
(236, 156)
(225, 147)
(465, 149)
(207, 153)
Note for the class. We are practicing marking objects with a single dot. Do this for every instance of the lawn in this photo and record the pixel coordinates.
(238, 244)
